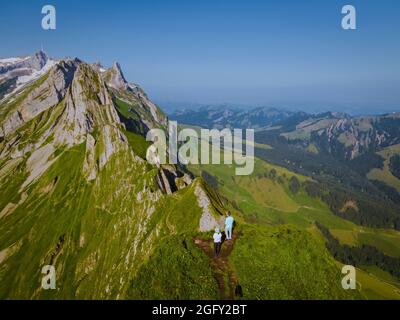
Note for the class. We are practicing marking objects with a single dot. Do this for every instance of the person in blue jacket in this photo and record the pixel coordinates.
(228, 226)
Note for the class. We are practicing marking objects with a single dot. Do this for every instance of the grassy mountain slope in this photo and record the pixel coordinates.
(286, 263)
(272, 209)
(176, 270)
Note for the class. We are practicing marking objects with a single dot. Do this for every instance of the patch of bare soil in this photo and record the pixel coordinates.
(225, 276)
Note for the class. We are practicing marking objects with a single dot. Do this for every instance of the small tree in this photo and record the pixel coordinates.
(272, 174)
(294, 184)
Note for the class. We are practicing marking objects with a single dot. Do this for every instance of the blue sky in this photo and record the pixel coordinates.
(286, 53)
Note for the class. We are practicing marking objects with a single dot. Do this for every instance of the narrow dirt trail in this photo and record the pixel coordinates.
(223, 273)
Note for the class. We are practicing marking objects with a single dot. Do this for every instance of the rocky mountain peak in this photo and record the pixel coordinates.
(16, 72)
(98, 66)
(115, 77)
(39, 60)
(117, 68)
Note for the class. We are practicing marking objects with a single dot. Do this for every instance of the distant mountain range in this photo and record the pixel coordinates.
(338, 134)
(356, 155)
(227, 117)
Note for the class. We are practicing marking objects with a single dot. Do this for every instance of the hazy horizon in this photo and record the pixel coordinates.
(373, 107)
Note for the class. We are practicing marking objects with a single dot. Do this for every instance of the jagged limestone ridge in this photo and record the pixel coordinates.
(77, 196)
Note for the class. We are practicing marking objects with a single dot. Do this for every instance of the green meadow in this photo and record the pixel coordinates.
(267, 205)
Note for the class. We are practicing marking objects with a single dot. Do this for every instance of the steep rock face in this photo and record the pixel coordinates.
(208, 221)
(90, 166)
(352, 137)
(40, 96)
(115, 77)
(170, 180)
(36, 61)
(137, 111)
(16, 72)
(343, 136)
(79, 102)
(88, 106)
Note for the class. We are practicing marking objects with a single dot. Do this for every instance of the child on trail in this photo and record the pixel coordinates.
(217, 242)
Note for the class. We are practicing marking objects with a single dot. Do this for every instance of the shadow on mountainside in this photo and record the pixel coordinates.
(225, 276)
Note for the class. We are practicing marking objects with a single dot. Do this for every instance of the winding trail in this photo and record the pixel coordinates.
(225, 276)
